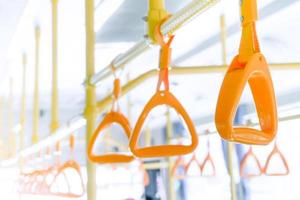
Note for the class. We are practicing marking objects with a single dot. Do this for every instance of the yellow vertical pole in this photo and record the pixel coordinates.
(223, 39)
(230, 147)
(169, 130)
(11, 136)
(23, 102)
(36, 107)
(54, 124)
(23, 113)
(148, 136)
(91, 108)
(129, 104)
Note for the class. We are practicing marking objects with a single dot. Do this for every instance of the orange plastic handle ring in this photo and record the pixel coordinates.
(284, 161)
(33, 182)
(163, 98)
(257, 74)
(208, 159)
(178, 163)
(243, 165)
(21, 182)
(55, 171)
(60, 193)
(146, 178)
(27, 184)
(111, 117)
(45, 188)
(40, 184)
(74, 165)
(24, 183)
(189, 164)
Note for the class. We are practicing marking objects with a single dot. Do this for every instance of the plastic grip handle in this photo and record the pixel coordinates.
(257, 74)
(162, 98)
(110, 118)
(146, 178)
(71, 164)
(283, 159)
(25, 183)
(243, 165)
(28, 184)
(44, 188)
(178, 163)
(33, 182)
(208, 159)
(189, 164)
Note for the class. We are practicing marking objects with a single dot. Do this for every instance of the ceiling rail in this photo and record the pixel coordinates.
(193, 9)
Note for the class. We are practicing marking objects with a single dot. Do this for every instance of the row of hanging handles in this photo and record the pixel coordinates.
(37, 181)
(180, 164)
(260, 169)
(248, 66)
(181, 168)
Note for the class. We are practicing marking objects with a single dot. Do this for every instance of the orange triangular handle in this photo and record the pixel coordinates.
(179, 162)
(208, 159)
(163, 98)
(29, 185)
(32, 187)
(110, 118)
(57, 171)
(257, 74)
(40, 183)
(71, 164)
(274, 152)
(248, 66)
(244, 162)
(25, 183)
(21, 182)
(189, 164)
(44, 188)
(146, 178)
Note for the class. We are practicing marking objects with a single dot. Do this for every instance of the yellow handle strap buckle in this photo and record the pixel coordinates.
(156, 13)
